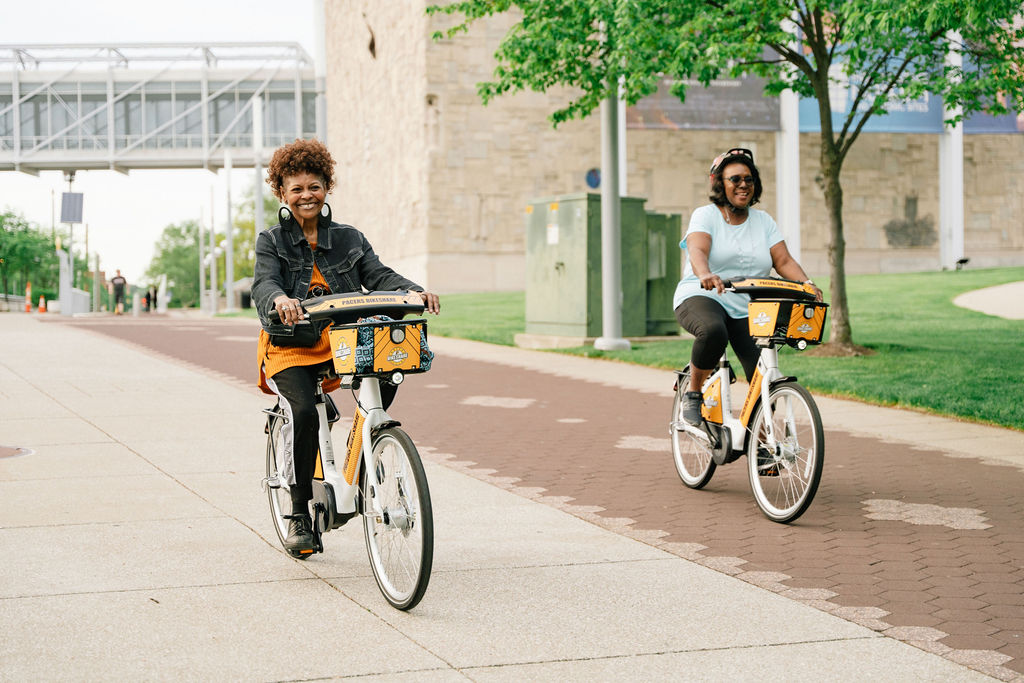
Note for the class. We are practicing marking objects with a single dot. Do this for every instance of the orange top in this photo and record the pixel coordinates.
(273, 359)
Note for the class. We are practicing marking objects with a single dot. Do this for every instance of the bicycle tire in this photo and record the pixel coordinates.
(692, 455)
(784, 482)
(277, 494)
(399, 540)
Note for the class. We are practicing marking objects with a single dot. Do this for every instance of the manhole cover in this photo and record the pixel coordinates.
(14, 451)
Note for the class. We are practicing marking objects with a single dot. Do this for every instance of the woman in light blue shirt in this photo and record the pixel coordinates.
(726, 239)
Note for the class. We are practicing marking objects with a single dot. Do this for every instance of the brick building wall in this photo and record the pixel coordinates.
(439, 182)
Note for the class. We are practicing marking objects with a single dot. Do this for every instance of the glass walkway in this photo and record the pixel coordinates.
(124, 107)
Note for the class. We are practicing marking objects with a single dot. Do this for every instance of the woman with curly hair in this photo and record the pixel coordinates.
(307, 254)
(726, 239)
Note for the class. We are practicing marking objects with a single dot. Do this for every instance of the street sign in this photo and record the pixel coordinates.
(71, 207)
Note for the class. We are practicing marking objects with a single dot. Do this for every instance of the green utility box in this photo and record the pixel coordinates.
(663, 260)
(563, 266)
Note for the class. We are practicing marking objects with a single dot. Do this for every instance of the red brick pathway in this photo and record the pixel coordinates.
(955, 588)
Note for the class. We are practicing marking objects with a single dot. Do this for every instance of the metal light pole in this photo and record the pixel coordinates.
(202, 259)
(229, 260)
(319, 70)
(611, 231)
(951, 179)
(212, 256)
(70, 177)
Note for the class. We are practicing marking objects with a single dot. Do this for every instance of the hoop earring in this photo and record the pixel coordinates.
(284, 215)
(325, 214)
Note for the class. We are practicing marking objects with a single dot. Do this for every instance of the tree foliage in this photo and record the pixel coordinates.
(245, 230)
(176, 255)
(887, 53)
(26, 255)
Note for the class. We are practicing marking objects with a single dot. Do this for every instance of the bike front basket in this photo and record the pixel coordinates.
(786, 321)
(380, 347)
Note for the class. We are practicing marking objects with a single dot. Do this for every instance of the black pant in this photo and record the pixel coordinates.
(712, 327)
(297, 386)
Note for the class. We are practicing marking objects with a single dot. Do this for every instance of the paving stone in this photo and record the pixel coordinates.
(914, 574)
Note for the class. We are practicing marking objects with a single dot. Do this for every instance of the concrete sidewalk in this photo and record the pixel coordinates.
(137, 545)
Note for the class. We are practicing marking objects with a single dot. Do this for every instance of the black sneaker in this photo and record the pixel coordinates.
(300, 535)
(692, 401)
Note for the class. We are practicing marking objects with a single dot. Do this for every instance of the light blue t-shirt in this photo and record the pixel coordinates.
(736, 251)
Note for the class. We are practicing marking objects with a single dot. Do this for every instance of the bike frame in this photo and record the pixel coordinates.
(765, 374)
(369, 417)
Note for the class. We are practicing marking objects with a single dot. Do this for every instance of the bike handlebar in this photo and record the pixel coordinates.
(770, 288)
(349, 307)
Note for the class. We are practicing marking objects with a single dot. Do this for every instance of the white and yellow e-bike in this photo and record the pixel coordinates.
(779, 427)
(379, 475)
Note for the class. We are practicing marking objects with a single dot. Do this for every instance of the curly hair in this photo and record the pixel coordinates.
(718, 184)
(301, 156)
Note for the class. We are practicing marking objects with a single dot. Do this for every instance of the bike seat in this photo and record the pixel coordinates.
(771, 288)
(351, 306)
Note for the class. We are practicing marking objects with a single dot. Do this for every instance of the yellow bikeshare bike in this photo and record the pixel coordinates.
(779, 427)
(379, 475)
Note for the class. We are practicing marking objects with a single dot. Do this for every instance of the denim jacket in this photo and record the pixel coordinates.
(284, 265)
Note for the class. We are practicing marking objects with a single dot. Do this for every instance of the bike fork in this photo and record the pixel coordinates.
(768, 364)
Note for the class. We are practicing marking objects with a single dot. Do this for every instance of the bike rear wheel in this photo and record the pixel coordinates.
(399, 523)
(784, 480)
(277, 493)
(691, 453)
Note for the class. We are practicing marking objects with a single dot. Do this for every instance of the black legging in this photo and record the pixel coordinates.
(297, 386)
(712, 327)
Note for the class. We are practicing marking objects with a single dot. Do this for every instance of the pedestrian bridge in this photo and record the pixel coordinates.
(123, 107)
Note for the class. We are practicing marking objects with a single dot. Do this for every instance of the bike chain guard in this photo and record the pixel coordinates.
(721, 443)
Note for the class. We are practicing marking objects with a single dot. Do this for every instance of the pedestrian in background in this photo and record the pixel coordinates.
(118, 284)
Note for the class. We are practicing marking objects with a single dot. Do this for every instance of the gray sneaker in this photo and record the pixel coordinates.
(692, 401)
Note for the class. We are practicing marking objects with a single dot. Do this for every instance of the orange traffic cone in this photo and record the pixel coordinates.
(42, 304)
(28, 297)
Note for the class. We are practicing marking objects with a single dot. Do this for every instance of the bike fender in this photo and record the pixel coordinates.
(378, 428)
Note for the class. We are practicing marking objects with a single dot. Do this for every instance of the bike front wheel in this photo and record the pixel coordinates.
(398, 521)
(785, 478)
(691, 452)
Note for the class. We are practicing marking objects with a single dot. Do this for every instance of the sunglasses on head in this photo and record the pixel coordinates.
(735, 151)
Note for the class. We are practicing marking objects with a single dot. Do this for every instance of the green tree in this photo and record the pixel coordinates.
(887, 52)
(26, 255)
(245, 229)
(177, 257)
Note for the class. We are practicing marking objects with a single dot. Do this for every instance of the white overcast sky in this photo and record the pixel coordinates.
(127, 213)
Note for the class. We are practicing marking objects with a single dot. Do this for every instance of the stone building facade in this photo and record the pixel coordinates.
(439, 182)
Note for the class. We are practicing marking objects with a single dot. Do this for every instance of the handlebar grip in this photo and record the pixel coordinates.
(276, 319)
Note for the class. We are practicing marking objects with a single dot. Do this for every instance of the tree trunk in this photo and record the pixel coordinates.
(831, 165)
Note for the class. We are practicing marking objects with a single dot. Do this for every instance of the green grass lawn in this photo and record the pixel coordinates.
(929, 354)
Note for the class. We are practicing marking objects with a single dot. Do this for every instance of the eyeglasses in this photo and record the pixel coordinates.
(735, 151)
(741, 179)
